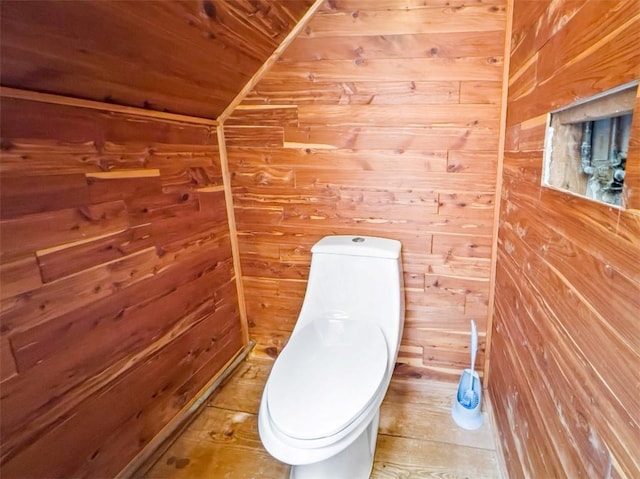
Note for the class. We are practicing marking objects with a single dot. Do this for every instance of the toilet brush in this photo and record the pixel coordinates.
(470, 398)
(466, 409)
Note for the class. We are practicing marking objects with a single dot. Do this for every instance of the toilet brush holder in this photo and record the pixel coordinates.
(466, 410)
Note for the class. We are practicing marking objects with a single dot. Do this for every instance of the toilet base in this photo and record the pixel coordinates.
(355, 462)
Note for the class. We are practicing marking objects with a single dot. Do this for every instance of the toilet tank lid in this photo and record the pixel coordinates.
(358, 246)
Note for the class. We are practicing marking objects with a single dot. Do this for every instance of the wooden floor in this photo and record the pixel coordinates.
(417, 437)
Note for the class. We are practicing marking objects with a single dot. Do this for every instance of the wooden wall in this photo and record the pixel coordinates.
(183, 56)
(118, 292)
(381, 118)
(566, 341)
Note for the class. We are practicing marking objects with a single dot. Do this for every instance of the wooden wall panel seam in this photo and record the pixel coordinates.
(97, 105)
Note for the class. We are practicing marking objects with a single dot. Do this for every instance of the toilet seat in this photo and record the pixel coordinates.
(325, 377)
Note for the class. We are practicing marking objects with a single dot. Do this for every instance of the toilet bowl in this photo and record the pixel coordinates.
(320, 407)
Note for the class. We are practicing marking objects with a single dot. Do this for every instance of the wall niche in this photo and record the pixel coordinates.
(587, 143)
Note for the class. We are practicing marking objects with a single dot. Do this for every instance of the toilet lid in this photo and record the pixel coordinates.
(325, 377)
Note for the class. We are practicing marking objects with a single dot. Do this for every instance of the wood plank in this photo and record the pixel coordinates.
(160, 157)
(66, 259)
(123, 185)
(37, 194)
(419, 69)
(414, 161)
(97, 105)
(64, 124)
(8, 367)
(310, 91)
(349, 5)
(480, 92)
(459, 245)
(176, 200)
(211, 201)
(402, 218)
(246, 115)
(225, 434)
(228, 435)
(466, 161)
(476, 206)
(35, 158)
(457, 115)
(27, 234)
(401, 456)
(21, 158)
(243, 390)
(400, 45)
(265, 136)
(367, 20)
(392, 138)
(19, 276)
(441, 182)
(265, 176)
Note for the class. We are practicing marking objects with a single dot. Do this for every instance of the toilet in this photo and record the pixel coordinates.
(320, 407)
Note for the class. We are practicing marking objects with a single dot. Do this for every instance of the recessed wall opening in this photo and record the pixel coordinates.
(586, 145)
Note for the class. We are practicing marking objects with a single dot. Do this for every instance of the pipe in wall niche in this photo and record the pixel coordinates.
(585, 148)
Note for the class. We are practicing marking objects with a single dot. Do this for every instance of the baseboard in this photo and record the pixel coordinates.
(148, 456)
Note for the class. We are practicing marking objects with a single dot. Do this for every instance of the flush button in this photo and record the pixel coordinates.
(358, 239)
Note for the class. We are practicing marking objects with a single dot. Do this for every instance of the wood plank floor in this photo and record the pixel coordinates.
(417, 438)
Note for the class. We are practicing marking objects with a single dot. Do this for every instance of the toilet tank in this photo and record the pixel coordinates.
(357, 277)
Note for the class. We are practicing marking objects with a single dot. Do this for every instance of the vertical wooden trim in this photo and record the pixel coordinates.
(15, 93)
(498, 195)
(631, 189)
(270, 61)
(228, 199)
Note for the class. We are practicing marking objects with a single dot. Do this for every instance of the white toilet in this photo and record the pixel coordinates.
(321, 403)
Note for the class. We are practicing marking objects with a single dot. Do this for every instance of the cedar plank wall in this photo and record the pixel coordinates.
(381, 118)
(565, 348)
(118, 297)
(183, 56)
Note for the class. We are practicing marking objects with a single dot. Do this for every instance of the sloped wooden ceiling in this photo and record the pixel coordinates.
(189, 57)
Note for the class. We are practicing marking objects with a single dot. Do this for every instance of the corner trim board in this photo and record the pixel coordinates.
(498, 193)
(233, 232)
